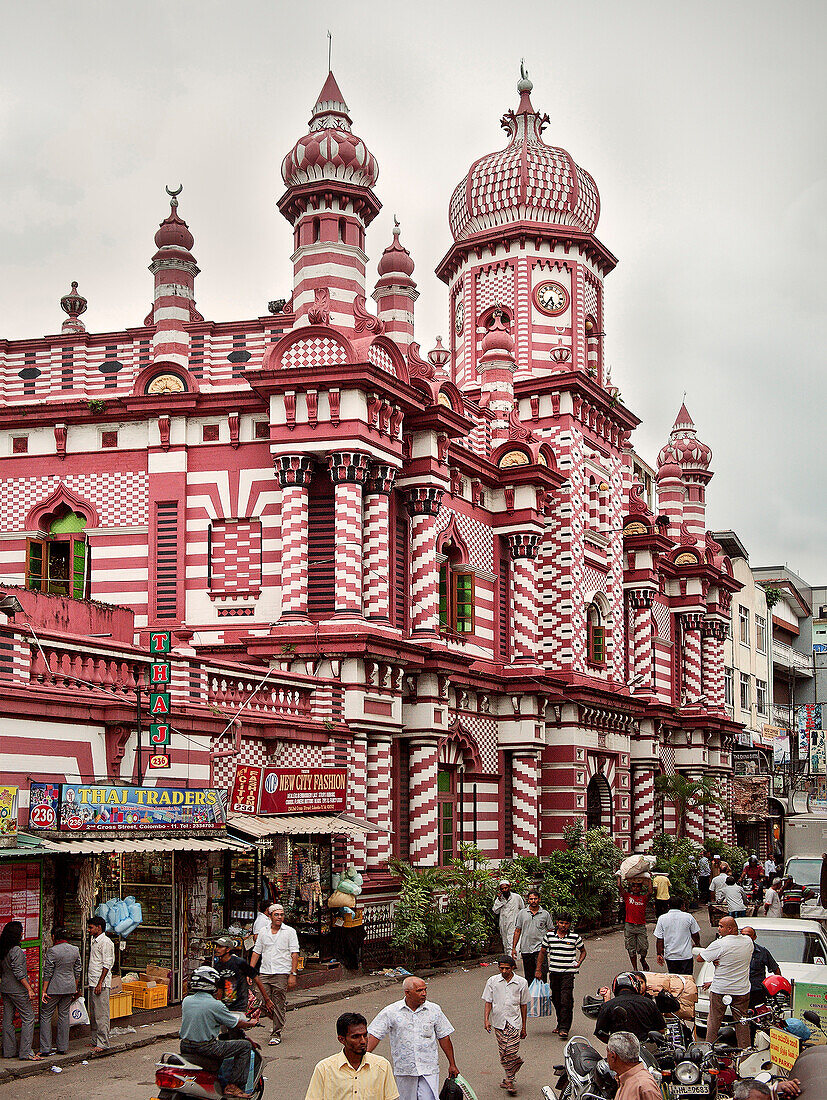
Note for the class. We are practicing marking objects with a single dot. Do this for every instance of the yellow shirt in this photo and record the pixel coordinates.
(661, 885)
(336, 1079)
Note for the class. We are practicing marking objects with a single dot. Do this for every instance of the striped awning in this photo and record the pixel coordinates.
(260, 827)
(102, 846)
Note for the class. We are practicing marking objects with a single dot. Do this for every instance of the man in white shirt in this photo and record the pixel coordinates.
(417, 1028)
(770, 868)
(730, 954)
(772, 899)
(507, 905)
(506, 1008)
(734, 897)
(675, 933)
(278, 949)
(99, 981)
(716, 885)
(262, 920)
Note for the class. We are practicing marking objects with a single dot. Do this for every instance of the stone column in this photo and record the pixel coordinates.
(524, 792)
(713, 632)
(378, 541)
(294, 473)
(423, 805)
(348, 471)
(642, 797)
(379, 800)
(357, 798)
(691, 624)
(640, 607)
(423, 503)
(525, 624)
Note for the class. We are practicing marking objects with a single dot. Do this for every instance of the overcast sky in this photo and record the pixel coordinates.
(703, 125)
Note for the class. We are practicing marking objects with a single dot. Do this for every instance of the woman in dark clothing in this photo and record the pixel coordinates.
(17, 993)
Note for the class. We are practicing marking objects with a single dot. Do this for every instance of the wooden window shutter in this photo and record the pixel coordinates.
(321, 538)
(463, 617)
(166, 560)
(504, 604)
(400, 572)
(35, 564)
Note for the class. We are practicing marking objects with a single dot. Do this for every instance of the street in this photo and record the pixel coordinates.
(310, 1034)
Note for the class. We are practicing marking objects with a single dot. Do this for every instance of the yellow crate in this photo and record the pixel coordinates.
(120, 1004)
(144, 997)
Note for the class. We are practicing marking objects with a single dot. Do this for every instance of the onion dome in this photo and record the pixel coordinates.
(439, 355)
(396, 259)
(330, 151)
(526, 181)
(73, 304)
(684, 449)
(498, 343)
(173, 231)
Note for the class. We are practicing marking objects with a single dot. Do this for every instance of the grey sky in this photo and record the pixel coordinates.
(703, 125)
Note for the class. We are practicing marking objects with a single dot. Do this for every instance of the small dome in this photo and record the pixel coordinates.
(330, 150)
(526, 181)
(173, 231)
(396, 259)
(684, 449)
(498, 343)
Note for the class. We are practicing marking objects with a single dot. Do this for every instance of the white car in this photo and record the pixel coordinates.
(798, 946)
(806, 872)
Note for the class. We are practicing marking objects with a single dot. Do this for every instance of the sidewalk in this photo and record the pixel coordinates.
(166, 1029)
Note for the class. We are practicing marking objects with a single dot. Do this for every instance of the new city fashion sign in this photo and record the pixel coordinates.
(289, 790)
(160, 676)
(74, 808)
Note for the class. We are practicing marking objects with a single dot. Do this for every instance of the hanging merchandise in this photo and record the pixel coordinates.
(122, 917)
(346, 889)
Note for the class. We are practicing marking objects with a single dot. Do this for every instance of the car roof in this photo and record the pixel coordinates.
(778, 924)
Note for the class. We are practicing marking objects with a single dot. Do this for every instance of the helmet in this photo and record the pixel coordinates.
(205, 979)
(776, 983)
(633, 982)
(798, 1028)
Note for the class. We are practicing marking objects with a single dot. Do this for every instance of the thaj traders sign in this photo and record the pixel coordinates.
(76, 808)
(289, 790)
(160, 676)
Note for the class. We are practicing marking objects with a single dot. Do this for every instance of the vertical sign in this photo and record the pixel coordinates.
(160, 676)
(808, 719)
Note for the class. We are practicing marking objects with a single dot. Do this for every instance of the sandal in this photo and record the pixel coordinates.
(563, 1034)
(32, 1058)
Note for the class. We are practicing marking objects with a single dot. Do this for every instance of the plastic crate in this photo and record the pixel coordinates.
(120, 1004)
(145, 997)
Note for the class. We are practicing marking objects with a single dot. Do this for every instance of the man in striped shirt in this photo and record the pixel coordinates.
(560, 948)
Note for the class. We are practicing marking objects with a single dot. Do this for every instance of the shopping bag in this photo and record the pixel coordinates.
(77, 1013)
(539, 999)
(467, 1091)
(451, 1090)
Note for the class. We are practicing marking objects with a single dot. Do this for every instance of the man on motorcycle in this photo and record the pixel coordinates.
(235, 974)
(202, 1016)
(629, 1010)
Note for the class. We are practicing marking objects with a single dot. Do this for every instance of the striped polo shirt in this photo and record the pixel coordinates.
(562, 951)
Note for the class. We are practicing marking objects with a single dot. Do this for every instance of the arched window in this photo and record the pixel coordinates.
(456, 593)
(598, 803)
(596, 635)
(317, 229)
(342, 229)
(59, 564)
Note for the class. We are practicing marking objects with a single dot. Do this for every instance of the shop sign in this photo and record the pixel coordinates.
(158, 761)
(289, 790)
(783, 1049)
(808, 997)
(781, 748)
(160, 677)
(75, 808)
(808, 718)
(8, 813)
(818, 753)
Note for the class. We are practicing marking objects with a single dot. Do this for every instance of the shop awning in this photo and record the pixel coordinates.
(26, 846)
(100, 846)
(296, 824)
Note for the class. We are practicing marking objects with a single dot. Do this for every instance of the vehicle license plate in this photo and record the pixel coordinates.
(689, 1090)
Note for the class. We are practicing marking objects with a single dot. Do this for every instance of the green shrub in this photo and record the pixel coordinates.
(581, 877)
(678, 858)
(730, 853)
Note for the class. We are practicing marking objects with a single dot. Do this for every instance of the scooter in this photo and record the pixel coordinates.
(196, 1075)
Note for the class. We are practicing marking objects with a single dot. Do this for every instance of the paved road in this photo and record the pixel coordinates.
(310, 1034)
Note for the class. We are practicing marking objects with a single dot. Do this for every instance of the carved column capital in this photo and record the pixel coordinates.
(293, 469)
(424, 500)
(692, 620)
(348, 466)
(714, 628)
(524, 545)
(380, 478)
(640, 598)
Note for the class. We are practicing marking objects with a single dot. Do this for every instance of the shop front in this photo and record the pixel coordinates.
(297, 822)
(151, 861)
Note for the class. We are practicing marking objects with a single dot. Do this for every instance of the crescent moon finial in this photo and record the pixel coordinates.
(174, 194)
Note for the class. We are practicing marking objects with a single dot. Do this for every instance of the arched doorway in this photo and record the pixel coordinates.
(598, 803)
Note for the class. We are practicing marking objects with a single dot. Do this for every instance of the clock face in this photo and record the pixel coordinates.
(551, 298)
(459, 315)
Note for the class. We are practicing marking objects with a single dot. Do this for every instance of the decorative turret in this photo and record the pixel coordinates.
(396, 292)
(497, 375)
(73, 304)
(173, 305)
(683, 474)
(329, 174)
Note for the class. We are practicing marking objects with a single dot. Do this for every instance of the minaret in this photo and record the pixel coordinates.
(329, 175)
(683, 474)
(396, 292)
(173, 304)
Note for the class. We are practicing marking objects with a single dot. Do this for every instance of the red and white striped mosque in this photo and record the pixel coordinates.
(434, 568)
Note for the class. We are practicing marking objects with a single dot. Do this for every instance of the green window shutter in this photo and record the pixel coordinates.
(35, 554)
(598, 645)
(444, 611)
(79, 560)
(464, 590)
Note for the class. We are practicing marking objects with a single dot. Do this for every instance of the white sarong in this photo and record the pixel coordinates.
(418, 1088)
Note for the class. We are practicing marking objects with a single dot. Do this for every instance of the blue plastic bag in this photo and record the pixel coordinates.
(539, 999)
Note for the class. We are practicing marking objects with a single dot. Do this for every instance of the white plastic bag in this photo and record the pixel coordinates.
(539, 999)
(636, 866)
(77, 1013)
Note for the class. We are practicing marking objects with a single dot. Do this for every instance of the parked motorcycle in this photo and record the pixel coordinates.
(585, 1072)
(179, 1075)
(690, 1071)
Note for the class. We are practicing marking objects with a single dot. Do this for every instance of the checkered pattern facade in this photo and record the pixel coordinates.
(314, 351)
(524, 803)
(121, 499)
(643, 802)
(379, 800)
(495, 285)
(235, 557)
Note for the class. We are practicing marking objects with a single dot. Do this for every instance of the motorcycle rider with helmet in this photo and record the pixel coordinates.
(202, 1016)
(629, 1009)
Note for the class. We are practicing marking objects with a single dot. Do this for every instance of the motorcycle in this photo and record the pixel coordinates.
(196, 1075)
(686, 1071)
(585, 1072)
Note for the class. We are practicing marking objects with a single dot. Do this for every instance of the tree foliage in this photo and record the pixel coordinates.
(687, 794)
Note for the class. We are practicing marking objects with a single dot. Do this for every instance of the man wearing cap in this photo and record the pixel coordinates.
(507, 904)
(235, 974)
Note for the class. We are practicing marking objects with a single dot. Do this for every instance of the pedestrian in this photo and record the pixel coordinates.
(507, 905)
(716, 884)
(532, 924)
(635, 894)
(277, 949)
(660, 883)
(770, 869)
(506, 1009)
(560, 951)
(202, 1018)
(99, 981)
(734, 897)
(417, 1028)
(629, 1009)
(262, 920)
(675, 934)
(731, 955)
(760, 965)
(62, 974)
(704, 876)
(235, 974)
(17, 993)
(634, 1079)
(353, 1073)
(772, 899)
